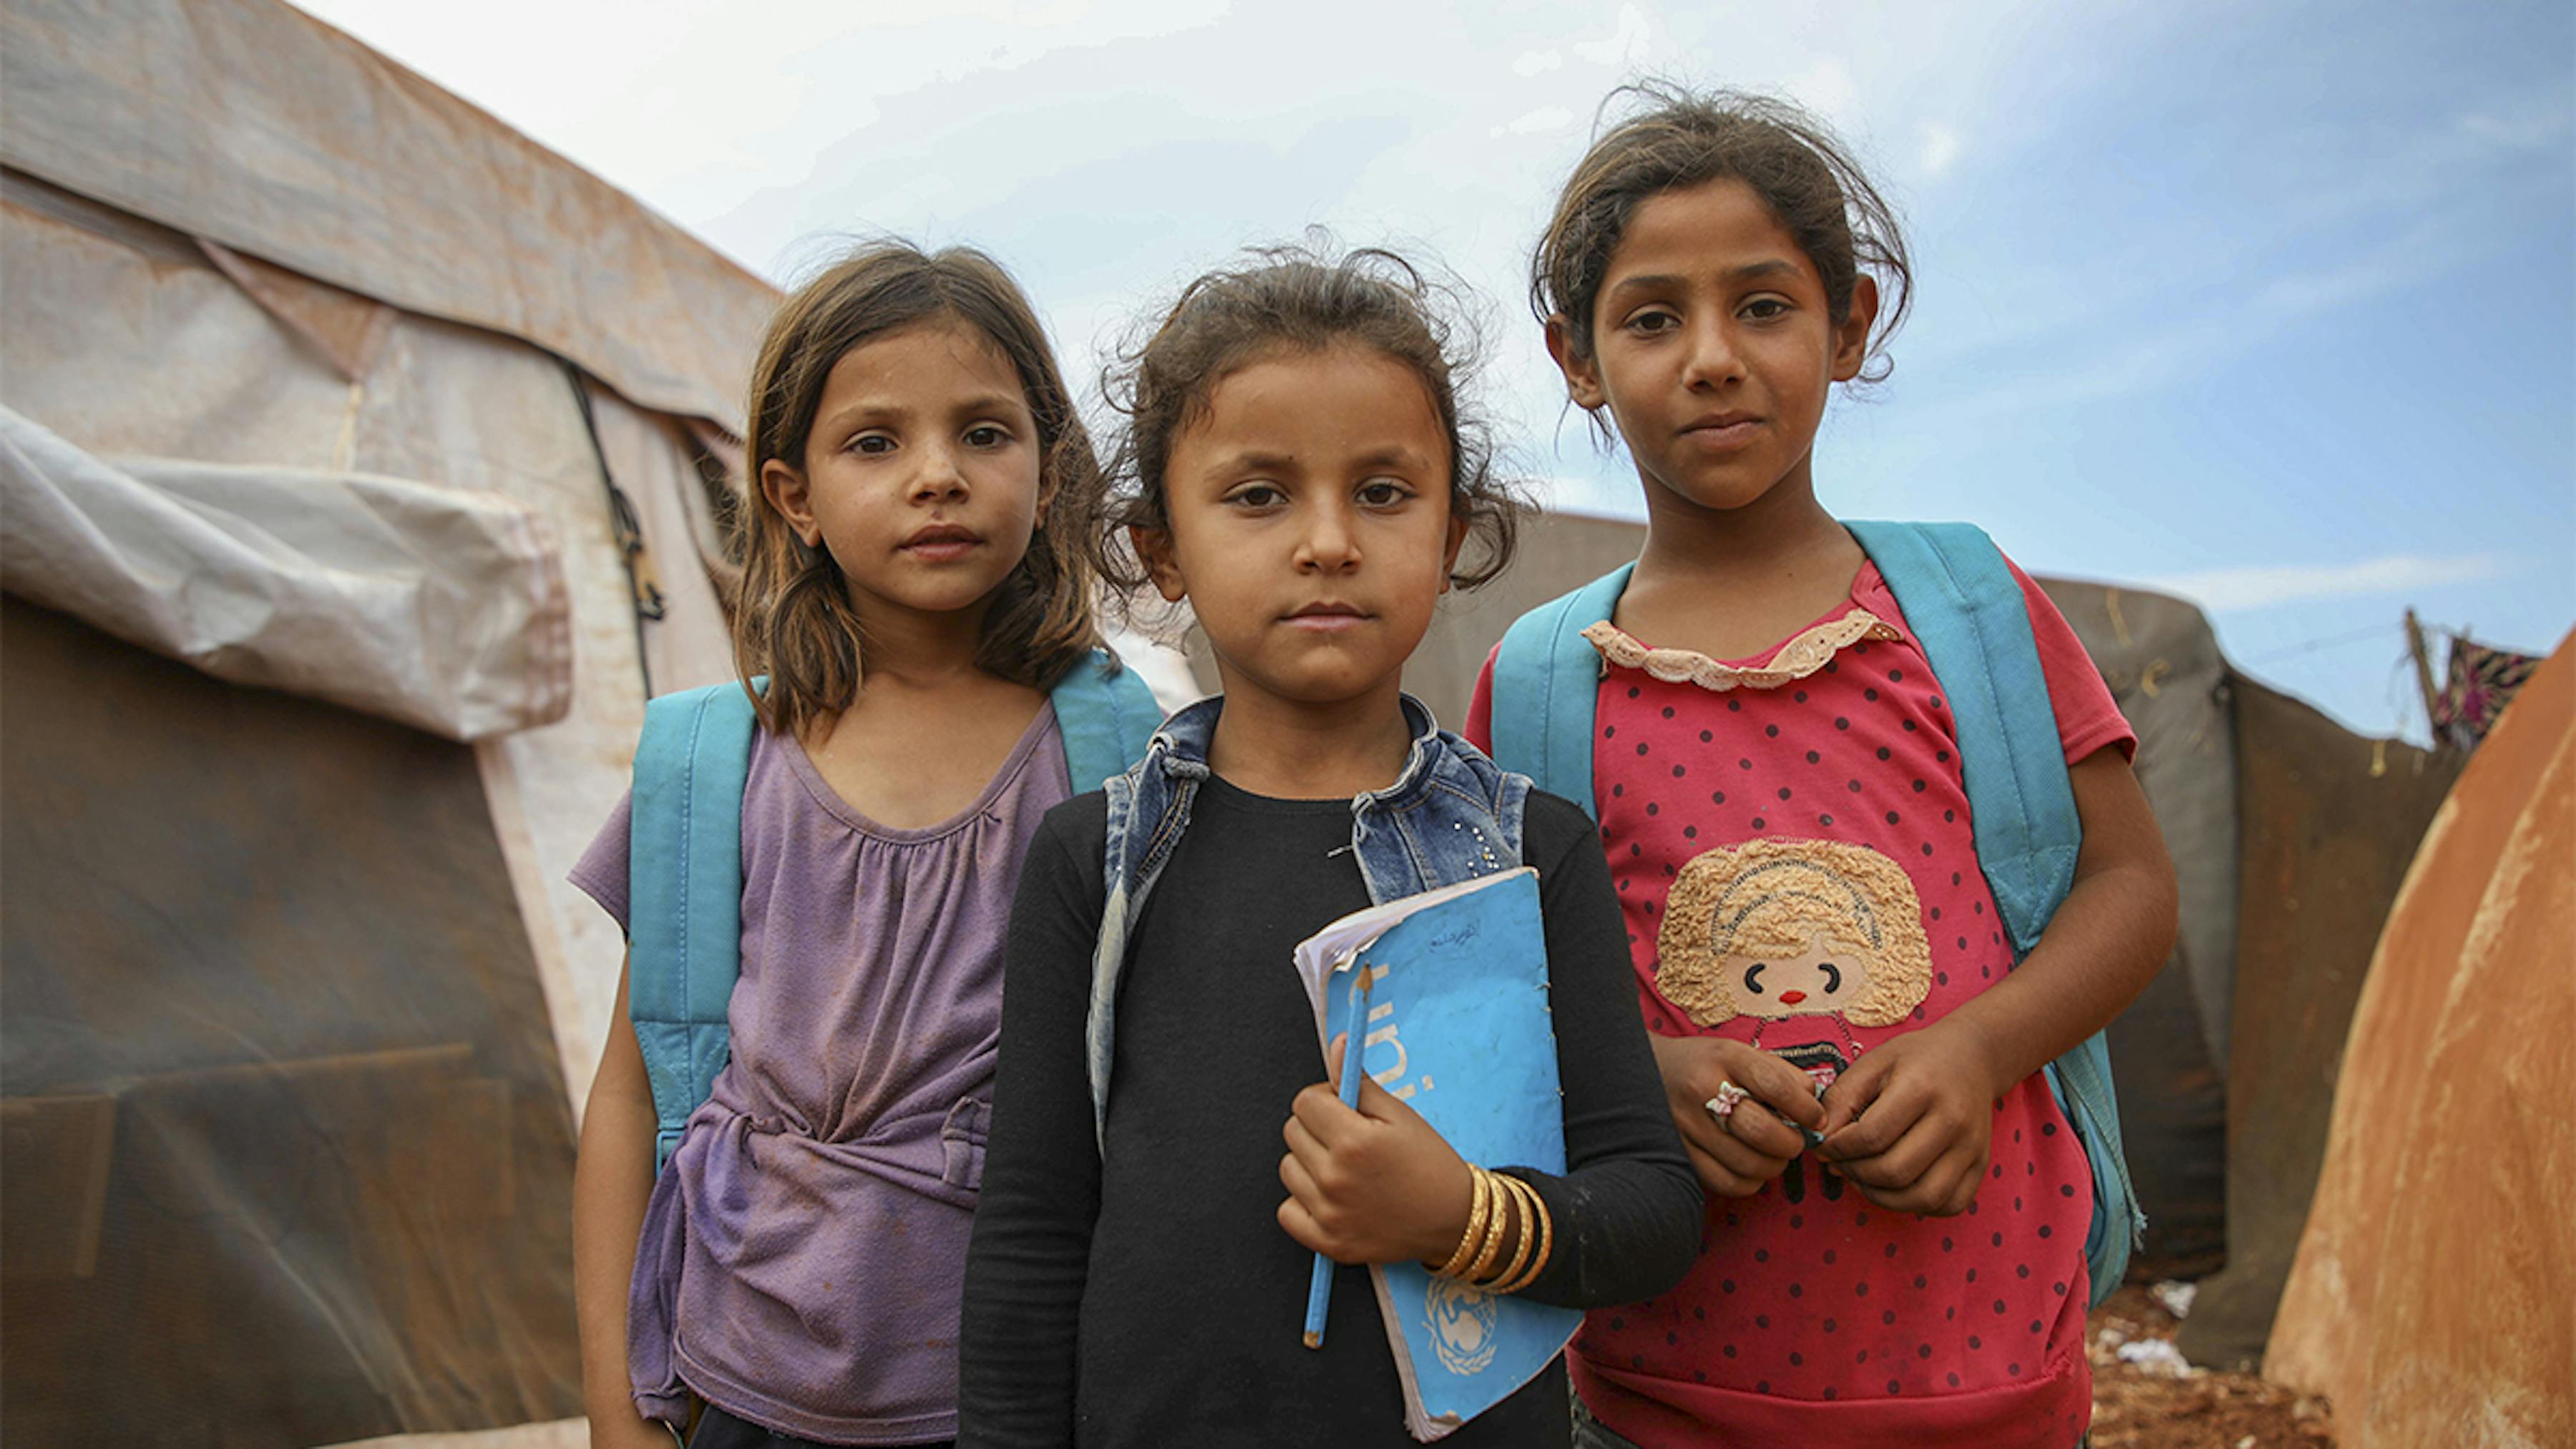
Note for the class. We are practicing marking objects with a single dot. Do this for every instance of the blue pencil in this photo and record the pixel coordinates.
(1319, 1291)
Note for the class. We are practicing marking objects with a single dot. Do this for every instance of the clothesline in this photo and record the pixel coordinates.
(2310, 646)
(2374, 631)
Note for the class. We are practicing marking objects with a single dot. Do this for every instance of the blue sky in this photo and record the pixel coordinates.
(2271, 305)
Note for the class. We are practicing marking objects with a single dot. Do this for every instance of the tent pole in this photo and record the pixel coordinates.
(2424, 680)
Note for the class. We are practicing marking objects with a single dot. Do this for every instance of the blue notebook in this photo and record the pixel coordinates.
(1450, 987)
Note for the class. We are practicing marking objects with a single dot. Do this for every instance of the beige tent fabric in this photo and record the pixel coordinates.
(2434, 1296)
(294, 144)
(442, 609)
(126, 338)
(558, 1434)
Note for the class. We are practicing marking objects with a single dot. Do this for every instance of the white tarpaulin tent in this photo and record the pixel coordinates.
(368, 408)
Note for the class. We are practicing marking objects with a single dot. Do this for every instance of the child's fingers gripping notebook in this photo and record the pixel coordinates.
(1450, 988)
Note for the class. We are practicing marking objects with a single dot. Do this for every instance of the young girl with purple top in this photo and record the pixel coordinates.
(792, 1274)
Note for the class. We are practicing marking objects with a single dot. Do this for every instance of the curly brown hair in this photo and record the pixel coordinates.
(1676, 138)
(793, 619)
(1298, 299)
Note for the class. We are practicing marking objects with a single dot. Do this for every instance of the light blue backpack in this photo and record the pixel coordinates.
(1968, 613)
(684, 863)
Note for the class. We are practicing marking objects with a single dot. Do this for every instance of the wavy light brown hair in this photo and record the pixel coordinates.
(793, 619)
(1290, 300)
(1675, 139)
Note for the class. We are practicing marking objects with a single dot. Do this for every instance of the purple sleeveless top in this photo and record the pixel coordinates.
(805, 1246)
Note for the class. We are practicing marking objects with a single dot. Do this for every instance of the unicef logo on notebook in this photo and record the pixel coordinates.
(1463, 1324)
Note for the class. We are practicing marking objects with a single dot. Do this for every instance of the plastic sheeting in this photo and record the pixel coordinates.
(287, 1150)
(127, 339)
(442, 609)
(2431, 1299)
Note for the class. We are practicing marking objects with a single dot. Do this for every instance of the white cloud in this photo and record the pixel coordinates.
(1624, 45)
(1940, 148)
(1532, 62)
(1545, 118)
(2263, 586)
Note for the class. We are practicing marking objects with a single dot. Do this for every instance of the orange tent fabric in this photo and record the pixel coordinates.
(2434, 1296)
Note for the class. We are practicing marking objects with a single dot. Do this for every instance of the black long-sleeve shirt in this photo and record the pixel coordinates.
(1154, 1299)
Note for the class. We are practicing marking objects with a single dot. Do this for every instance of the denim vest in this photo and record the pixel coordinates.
(1452, 815)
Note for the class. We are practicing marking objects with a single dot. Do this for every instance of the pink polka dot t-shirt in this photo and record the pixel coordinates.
(1791, 843)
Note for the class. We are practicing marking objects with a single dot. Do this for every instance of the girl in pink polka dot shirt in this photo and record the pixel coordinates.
(1894, 1249)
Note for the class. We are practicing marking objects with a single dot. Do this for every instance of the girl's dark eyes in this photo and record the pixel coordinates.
(1651, 323)
(981, 435)
(1257, 495)
(1753, 977)
(1764, 309)
(1383, 493)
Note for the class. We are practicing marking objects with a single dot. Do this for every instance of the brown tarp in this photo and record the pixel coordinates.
(2330, 821)
(287, 1150)
(2434, 1294)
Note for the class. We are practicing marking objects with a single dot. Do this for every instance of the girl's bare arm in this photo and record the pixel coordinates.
(611, 1182)
(2104, 944)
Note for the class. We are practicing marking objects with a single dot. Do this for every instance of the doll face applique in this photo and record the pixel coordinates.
(1814, 976)
(1783, 928)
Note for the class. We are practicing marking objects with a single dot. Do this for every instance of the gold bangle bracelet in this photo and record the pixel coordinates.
(1479, 1201)
(1525, 1219)
(1546, 1246)
(1492, 1246)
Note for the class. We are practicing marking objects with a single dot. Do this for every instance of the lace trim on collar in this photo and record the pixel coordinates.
(1803, 655)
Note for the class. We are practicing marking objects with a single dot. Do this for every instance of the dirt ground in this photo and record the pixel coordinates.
(2161, 1403)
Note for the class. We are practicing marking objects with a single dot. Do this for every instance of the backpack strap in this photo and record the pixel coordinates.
(2081, 1082)
(1967, 611)
(684, 894)
(1106, 716)
(1972, 620)
(1547, 678)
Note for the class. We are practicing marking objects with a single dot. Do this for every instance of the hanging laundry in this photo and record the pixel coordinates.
(2480, 683)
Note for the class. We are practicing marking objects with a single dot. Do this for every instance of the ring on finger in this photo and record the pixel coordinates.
(1722, 1106)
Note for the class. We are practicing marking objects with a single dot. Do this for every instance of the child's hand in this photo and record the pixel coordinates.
(1911, 1122)
(1752, 1146)
(1376, 1185)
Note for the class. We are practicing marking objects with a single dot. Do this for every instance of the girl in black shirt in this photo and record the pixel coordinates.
(1296, 469)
